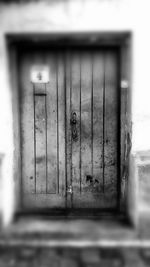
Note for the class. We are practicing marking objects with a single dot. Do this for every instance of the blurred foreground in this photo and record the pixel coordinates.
(65, 257)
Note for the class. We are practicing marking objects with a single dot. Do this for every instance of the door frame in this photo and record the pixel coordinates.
(120, 41)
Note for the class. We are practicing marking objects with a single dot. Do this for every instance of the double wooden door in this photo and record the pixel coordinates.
(69, 129)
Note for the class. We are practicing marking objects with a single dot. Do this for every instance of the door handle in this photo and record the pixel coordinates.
(74, 126)
(74, 118)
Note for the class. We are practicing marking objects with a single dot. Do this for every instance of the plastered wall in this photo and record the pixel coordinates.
(75, 16)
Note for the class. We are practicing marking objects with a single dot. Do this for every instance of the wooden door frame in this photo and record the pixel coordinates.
(120, 41)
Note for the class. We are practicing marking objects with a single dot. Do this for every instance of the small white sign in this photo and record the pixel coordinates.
(40, 74)
(124, 84)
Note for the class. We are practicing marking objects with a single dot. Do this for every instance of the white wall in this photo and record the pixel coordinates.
(77, 15)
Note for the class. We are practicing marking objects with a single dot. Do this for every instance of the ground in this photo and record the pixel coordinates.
(73, 243)
(74, 257)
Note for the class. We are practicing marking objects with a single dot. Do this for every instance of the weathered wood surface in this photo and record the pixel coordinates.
(52, 124)
(61, 125)
(68, 129)
(99, 131)
(84, 82)
(75, 107)
(43, 133)
(39, 201)
(27, 127)
(98, 87)
(111, 124)
(40, 143)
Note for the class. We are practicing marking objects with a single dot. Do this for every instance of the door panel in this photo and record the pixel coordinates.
(94, 153)
(61, 158)
(68, 136)
(43, 133)
(110, 128)
(52, 153)
(98, 87)
(75, 107)
(69, 130)
(27, 128)
(86, 133)
(40, 143)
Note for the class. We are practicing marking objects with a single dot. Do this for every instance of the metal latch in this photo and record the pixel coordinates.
(69, 189)
(74, 126)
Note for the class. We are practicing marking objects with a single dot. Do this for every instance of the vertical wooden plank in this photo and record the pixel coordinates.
(57, 189)
(52, 125)
(68, 128)
(27, 125)
(75, 76)
(86, 83)
(40, 143)
(61, 124)
(98, 84)
(111, 125)
(40, 133)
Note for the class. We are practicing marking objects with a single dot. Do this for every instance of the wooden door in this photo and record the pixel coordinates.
(69, 129)
(94, 103)
(43, 132)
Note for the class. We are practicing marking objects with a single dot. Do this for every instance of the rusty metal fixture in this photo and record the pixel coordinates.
(70, 189)
(74, 126)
